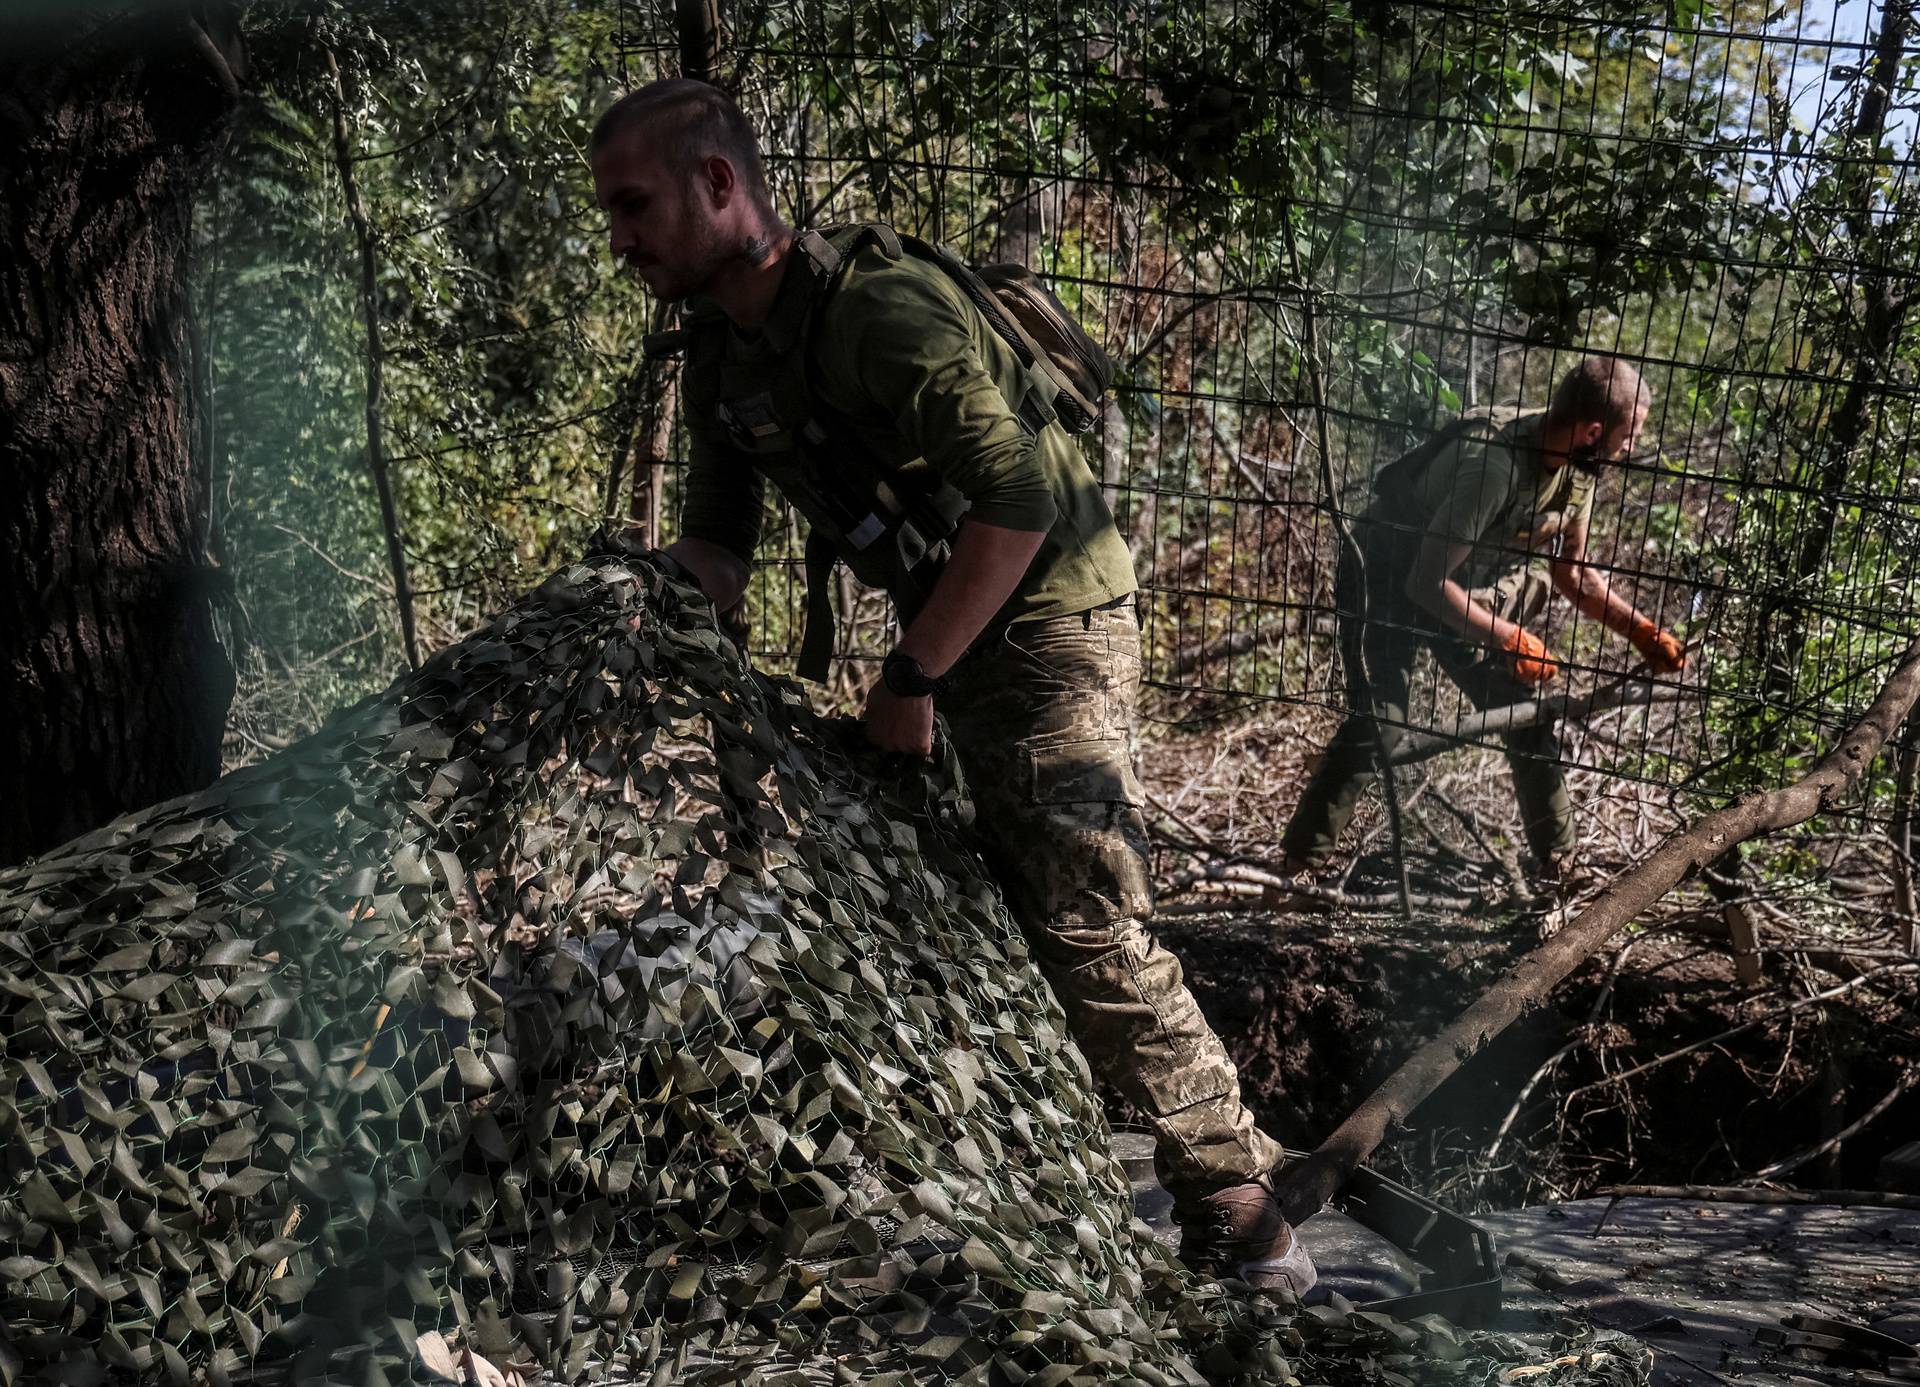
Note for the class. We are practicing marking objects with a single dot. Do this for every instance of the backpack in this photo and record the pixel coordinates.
(1023, 312)
(1029, 318)
(891, 531)
(1401, 475)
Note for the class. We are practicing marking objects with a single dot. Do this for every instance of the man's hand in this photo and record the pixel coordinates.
(1662, 650)
(1531, 664)
(897, 724)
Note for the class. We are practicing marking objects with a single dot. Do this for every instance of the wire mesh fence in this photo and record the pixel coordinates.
(1311, 236)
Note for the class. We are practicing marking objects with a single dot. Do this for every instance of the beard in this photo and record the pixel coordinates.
(1586, 457)
(695, 257)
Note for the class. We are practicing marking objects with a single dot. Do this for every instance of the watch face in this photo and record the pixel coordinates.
(902, 674)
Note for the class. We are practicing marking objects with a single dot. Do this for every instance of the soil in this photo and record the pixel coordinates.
(1317, 1010)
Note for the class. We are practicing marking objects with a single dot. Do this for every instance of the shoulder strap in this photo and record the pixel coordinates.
(697, 319)
(1004, 324)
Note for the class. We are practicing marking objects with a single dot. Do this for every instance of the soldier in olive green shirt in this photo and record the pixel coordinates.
(897, 414)
(1453, 549)
(904, 362)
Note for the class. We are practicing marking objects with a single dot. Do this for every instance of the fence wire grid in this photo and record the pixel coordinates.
(1311, 234)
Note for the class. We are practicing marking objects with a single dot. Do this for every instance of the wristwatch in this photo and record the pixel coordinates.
(902, 674)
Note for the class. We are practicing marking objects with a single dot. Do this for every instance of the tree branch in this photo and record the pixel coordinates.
(1832, 1143)
(1515, 717)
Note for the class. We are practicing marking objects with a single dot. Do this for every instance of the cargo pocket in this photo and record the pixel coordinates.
(1095, 771)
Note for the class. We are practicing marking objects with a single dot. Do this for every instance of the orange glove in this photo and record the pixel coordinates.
(1660, 649)
(1531, 663)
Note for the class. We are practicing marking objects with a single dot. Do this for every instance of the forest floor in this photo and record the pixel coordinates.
(1654, 1063)
(1317, 1010)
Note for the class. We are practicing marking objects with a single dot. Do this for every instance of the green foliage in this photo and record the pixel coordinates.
(1463, 203)
(507, 339)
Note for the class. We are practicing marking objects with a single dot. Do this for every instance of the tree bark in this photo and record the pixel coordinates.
(112, 676)
(1308, 1186)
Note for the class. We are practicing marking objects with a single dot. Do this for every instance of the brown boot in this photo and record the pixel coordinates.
(1239, 1232)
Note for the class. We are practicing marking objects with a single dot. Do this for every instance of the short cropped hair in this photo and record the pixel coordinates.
(693, 122)
(1601, 389)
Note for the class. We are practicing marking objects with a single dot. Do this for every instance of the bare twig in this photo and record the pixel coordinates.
(1798, 1005)
(1350, 551)
(1547, 1065)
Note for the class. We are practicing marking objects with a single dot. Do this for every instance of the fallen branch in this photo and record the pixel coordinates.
(1248, 882)
(1748, 1194)
(1517, 717)
(1309, 1185)
(1779, 1168)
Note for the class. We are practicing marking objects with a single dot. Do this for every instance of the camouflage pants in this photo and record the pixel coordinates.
(1042, 719)
(1394, 636)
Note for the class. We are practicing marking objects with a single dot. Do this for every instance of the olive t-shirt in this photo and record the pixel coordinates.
(1489, 490)
(903, 357)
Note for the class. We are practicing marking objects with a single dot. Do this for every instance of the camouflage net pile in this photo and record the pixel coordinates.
(584, 1004)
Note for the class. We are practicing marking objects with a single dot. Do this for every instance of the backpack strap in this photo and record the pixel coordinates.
(816, 645)
(1034, 408)
(921, 523)
(1406, 471)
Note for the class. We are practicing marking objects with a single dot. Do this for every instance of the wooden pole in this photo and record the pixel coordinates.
(698, 22)
(1900, 831)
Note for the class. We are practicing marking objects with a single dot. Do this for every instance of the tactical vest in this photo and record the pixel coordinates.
(891, 526)
(1400, 477)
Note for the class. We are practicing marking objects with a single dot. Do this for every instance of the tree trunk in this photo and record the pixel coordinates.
(113, 680)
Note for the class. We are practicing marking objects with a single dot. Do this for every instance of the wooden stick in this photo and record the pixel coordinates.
(1752, 1194)
(1251, 882)
(1723, 881)
(1306, 1189)
(1516, 717)
(1832, 1143)
(1900, 833)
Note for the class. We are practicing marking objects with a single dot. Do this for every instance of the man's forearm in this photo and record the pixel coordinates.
(1459, 613)
(1592, 595)
(987, 564)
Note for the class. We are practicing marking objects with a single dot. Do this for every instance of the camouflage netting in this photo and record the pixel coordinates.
(582, 1004)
